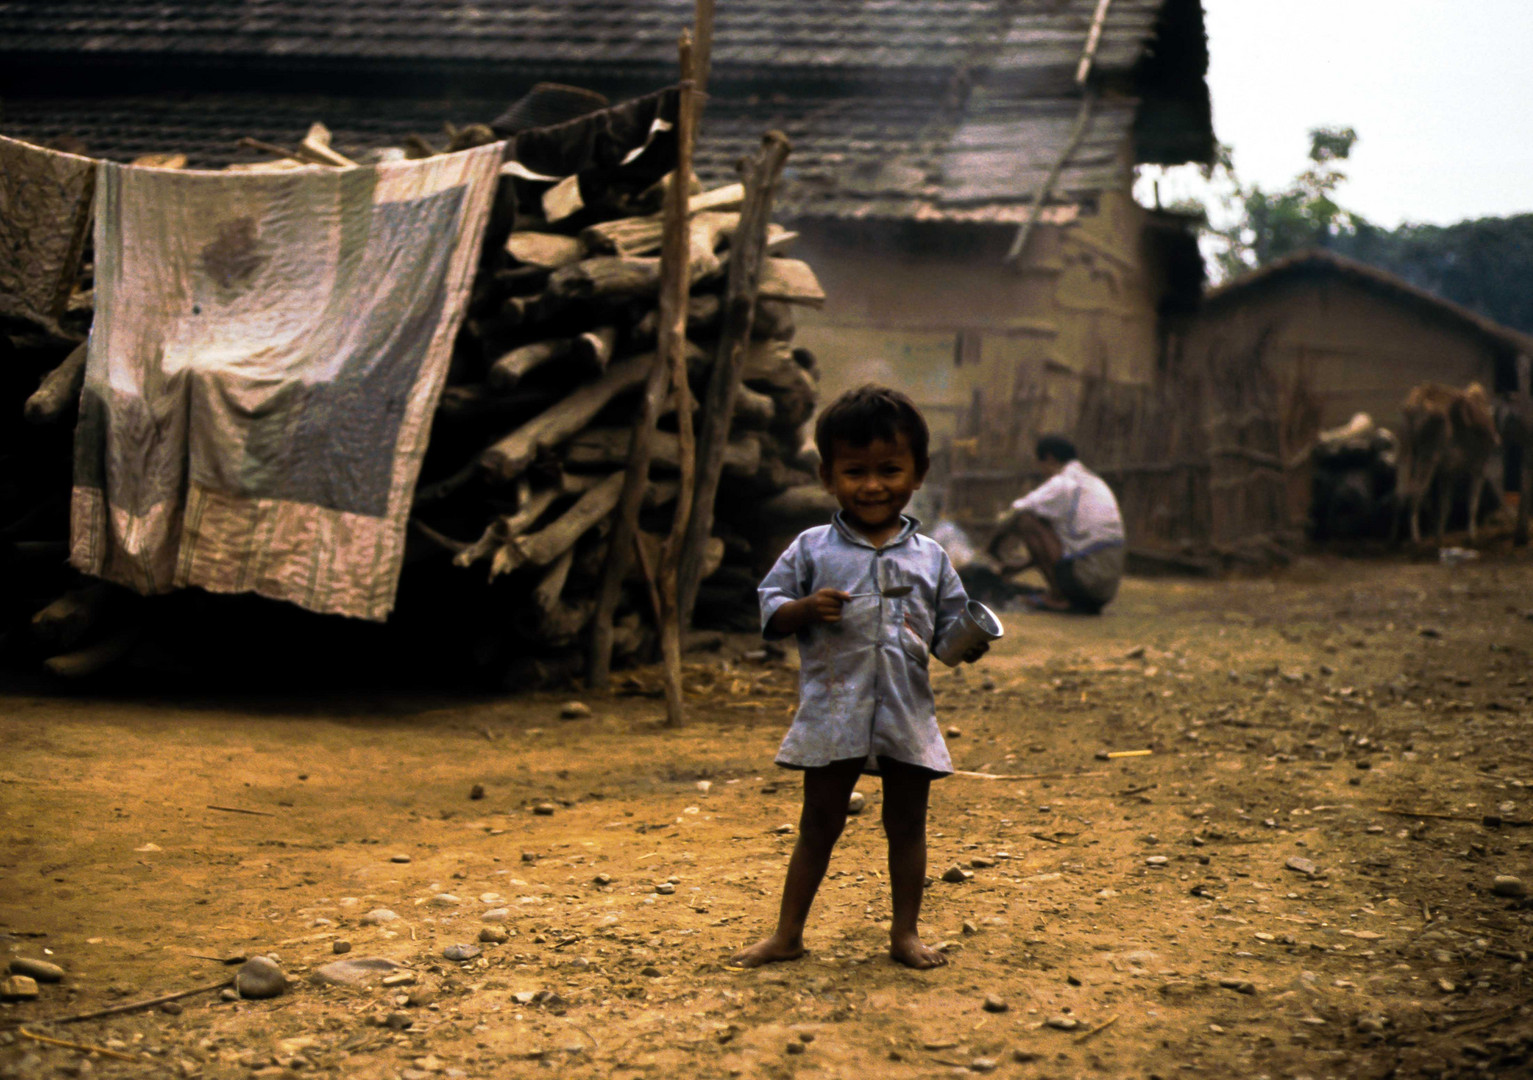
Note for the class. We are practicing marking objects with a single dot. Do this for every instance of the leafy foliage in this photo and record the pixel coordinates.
(1484, 264)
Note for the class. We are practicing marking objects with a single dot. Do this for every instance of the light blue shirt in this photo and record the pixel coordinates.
(864, 690)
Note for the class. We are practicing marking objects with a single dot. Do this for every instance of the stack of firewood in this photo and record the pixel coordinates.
(525, 464)
(535, 426)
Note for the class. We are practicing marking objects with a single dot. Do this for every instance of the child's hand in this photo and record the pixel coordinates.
(825, 605)
(975, 653)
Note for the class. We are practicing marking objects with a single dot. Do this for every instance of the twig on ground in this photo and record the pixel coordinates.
(241, 810)
(131, 1006)
(1024, 776)
(84, 1048)
(1103, 1026)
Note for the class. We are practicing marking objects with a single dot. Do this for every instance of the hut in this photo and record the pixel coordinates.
(1326, 337)
(926, 134)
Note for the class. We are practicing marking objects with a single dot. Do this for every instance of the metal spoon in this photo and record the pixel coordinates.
(892, 592)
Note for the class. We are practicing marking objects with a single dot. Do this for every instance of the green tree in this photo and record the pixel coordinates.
(1305, 214)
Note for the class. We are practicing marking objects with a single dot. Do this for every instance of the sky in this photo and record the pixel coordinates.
(1440, 93)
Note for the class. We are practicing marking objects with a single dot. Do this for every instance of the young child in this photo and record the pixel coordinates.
(866, 597)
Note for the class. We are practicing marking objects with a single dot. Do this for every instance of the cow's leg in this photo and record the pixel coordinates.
(1476, 489)
(1444, 485)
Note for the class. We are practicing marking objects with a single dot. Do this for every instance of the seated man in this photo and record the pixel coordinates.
(1072, 530)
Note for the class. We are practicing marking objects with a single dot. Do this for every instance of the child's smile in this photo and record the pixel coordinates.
(872, 484)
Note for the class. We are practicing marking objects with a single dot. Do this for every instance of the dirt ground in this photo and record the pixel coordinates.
(1137, 917)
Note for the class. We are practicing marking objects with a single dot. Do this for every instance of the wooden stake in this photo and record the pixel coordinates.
(747, 250)
(670, 358)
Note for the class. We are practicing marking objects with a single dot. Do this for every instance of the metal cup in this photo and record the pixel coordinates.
(977, 626)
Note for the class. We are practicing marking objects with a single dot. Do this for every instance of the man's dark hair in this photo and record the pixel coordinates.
(1057, 447)
(871, 412)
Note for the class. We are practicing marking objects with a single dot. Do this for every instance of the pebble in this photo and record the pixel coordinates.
(969, 928)
(476, 792)
(574, 710)
(18, 988)
(855, 804)
(461, 952)
(1156, 860)
(783, 830)
(664, 888)
(228, 993)
(995, 1004)
(544, 809)
(43, 971)
(794, 1048)
(494, 935)
(259, 977)
(400, 978)
(957, 874)
(1504, 885)
(1447, 986)
(1370, 1024)
(1302, 865)
(340, 948)
(983, 1065)
(954, 732)
(603, 879)
(398, 1021)
(1062, 1023)
(399, 858)
(1240, 986)
(378, 916)
(981, 862)
(445, 899)
(705, 786)
(650, 971)
(498, 914)
(354, 971)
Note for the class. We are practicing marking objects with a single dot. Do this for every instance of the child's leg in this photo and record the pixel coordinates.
(905, 794)
(826, 791)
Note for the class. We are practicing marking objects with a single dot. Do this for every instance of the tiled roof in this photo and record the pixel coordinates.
(855, 157)
(826, 35)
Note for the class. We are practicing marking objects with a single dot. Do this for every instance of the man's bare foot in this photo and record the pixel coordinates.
(912, 953)
(767, 951)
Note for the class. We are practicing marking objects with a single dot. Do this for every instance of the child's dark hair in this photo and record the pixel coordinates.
(871, 412)
(1057, 447)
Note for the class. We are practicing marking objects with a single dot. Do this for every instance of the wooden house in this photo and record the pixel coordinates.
(927, 134)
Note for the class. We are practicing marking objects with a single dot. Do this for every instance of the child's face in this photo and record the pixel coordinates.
(872, 483)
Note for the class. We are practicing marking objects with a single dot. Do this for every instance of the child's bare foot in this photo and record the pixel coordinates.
(912, 953)
(768, 951)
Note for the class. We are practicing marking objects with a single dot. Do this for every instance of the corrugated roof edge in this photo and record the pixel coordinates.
(1323, 261)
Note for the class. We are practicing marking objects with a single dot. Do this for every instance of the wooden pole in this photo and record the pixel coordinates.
(746, 255)
(675, 261)
(675, 275)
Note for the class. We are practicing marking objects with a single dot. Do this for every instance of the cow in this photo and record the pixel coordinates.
(1514, 423)
(1449, 438)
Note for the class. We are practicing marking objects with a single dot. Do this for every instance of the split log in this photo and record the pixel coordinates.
(468, 401)
(518, 312)
(702, 318)
(550, 250)
(753, 409)
(65, 622)
(508, 457)
(551, 587)
(60, 389)
(774, 319)
(96, 658)
(601, 448)
(531, 507)
(610, 277)
(641, 235)
(594, 347)
(515, 365)
(563, 199)
(543, 547)
(771, 369)
(792, 281)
